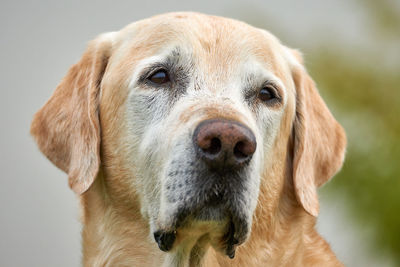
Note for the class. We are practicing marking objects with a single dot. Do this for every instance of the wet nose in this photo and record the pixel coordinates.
(224, 143)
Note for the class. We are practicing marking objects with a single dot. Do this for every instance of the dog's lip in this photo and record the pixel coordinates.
(230, 241)
(165, 240)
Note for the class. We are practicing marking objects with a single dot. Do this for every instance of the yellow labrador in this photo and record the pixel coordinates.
(193, 140)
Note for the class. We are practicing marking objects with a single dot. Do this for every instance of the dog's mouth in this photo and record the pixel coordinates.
(225, 241)
(214, 211)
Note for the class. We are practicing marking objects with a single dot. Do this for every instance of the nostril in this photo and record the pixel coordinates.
(239, 150)
(214, 147)
(244, 149)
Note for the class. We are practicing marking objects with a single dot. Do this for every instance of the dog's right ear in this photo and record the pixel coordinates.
(67, 128)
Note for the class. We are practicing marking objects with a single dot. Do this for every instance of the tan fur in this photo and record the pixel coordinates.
(319, 143)
(82, 130)
(67, 128)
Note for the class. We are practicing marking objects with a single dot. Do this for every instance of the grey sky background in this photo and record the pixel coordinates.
(40, 40)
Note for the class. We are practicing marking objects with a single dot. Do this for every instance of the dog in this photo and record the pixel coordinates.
(193, 140)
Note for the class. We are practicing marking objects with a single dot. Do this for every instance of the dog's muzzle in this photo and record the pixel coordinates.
(212, 185)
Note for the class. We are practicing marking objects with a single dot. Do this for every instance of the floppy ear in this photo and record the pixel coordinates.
(67, 128)
(319, 142)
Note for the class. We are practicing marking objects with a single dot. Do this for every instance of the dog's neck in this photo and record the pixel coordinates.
(114, 237)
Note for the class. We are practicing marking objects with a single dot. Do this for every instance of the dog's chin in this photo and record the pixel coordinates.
(218, 227)
(214, 225)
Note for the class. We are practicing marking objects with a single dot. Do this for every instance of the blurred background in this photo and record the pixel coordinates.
(351, 49)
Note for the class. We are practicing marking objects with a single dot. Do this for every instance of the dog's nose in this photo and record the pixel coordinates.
(224, 143)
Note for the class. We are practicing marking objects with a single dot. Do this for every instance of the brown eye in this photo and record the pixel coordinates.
(159, 77)
(268, 93)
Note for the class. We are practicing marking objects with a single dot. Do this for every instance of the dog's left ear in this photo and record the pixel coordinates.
(319, 141)
(67, 128)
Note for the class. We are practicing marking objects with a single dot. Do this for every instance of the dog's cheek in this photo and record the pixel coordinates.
(145, 113)
(177, 176)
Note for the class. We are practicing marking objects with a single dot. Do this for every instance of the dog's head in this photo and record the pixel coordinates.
(188, 115)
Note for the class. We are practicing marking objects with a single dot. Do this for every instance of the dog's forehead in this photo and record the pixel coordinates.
(215, 43)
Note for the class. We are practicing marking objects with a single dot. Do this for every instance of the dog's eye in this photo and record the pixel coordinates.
(267, 93)
(159, 77)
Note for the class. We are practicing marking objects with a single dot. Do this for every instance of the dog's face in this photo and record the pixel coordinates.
(185, 113)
